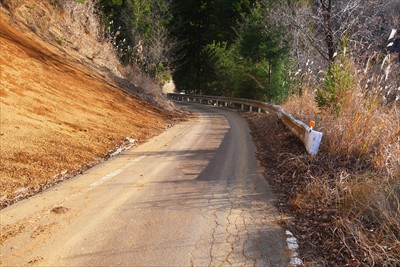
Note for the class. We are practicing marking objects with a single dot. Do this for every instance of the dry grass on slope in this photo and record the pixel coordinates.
(75, 30)
(71, 28)
(59, 116)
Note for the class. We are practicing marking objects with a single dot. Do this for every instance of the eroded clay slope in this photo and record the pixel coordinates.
(58, 116)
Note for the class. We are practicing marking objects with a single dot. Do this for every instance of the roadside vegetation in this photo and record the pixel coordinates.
(345, 202)
(351, 189)
(323, 60)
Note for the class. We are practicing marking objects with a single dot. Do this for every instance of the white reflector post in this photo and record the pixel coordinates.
(313, 140)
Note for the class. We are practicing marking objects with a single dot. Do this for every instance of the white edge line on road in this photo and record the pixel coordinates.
(101, 180)
(107, 177)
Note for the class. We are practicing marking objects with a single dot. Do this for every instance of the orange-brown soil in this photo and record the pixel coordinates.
(59, 116)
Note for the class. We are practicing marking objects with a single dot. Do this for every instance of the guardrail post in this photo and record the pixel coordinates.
(312, 141)
(226, 104)
(251, 108)
(259, 110)
(242, 107)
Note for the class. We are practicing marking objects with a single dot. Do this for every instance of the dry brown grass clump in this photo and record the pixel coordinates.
(352, 187)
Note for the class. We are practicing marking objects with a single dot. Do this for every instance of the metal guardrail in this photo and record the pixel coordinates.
(310, 138)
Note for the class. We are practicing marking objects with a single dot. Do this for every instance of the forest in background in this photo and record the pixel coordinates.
(325, 60)
(263, 49)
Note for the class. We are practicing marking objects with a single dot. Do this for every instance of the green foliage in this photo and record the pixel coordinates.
(255, 66)
(198, 23)
(139, 31)
(226, 47)
(339, 81)
(164, 76)
(80, 1)
(226, 61)
(61, 41)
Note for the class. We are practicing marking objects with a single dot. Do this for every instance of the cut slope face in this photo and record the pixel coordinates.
(58, 115)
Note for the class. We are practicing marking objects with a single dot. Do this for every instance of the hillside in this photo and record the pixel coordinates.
(61, 111)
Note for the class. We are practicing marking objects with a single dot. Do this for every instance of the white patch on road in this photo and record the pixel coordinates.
(293, 245)
(102, 180)
(113, 174)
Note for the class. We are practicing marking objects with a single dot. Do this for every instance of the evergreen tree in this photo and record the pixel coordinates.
(196, 25)
(231, 48)
(255, 66)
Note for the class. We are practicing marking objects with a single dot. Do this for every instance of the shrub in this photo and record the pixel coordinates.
(339, 81)
(354, 183)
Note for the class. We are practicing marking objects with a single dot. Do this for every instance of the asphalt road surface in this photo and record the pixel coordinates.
(192, 196)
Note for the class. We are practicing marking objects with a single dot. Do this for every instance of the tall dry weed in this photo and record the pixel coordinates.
(355, 180)
(368, 220)
(302, 106)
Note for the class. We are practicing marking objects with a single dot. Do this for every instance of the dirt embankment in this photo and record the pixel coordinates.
(59, 116)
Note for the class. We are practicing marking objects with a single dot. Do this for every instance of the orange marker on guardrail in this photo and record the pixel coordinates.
(310, 138)
(311, 124)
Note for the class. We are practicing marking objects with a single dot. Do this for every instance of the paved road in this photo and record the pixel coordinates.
(194, 195)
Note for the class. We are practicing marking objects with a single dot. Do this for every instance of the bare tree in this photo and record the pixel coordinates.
(318, 29)
(326, 23)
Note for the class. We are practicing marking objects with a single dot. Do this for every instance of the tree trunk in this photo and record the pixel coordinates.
(329, 40)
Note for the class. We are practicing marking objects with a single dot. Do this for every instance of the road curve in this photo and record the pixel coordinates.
(192, 196)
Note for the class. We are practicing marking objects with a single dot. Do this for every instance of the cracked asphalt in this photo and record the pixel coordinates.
(192, 196)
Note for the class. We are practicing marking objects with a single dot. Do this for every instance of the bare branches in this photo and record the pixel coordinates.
(325, 23)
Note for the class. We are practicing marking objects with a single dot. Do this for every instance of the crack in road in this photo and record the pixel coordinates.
(240, 225)
(205, 203)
